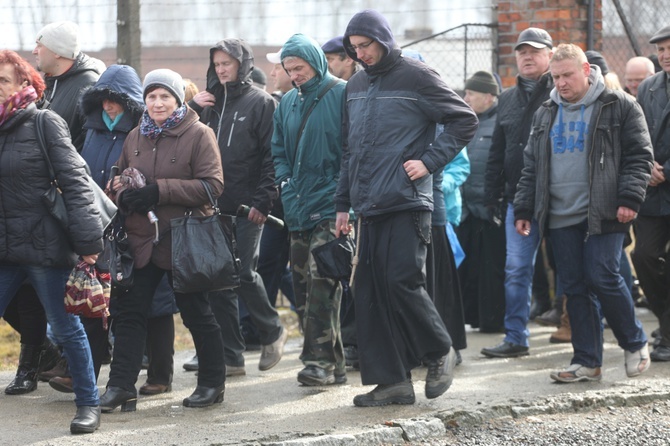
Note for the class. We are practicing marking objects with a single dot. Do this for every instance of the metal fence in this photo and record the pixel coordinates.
(459, 52)
(627, 27)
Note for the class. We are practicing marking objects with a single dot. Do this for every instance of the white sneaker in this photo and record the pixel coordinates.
(575, 373)
(637, 362)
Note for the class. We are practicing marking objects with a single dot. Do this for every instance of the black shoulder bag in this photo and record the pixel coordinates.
(204, 252)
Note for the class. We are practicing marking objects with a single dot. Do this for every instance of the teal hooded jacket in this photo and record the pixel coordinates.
(308, 168)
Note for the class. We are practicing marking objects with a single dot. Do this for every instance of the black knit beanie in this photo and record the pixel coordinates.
(483, 82)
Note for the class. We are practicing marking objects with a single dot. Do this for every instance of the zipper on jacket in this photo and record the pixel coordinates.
(602, 163)
(232, 127)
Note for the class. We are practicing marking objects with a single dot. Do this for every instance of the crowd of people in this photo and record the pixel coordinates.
(360, 139)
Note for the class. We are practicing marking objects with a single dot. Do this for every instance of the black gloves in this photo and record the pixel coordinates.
(496, 215)
(140, 200)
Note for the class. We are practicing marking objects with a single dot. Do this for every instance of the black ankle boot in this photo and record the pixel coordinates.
(86, 421)
(50, 355)
(205, 396)
(115, 397)
(25, 380)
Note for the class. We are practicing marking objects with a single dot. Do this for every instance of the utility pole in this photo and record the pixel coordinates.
(129, 42)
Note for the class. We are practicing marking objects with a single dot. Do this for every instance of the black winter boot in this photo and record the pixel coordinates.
(25, 380)
(50, 356)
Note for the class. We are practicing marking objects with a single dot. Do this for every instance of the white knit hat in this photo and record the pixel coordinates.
(62, 38)
(167, 79)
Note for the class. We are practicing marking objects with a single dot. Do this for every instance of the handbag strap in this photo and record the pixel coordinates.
(311, 107)
(212, 201)
(42, 143)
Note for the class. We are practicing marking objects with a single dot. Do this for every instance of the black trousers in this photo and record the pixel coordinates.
(160, 347)
(482, 274)
(650, 258)
(130, 331)
(444, 287)
(396, 320)
(26, 315)
(226, 311)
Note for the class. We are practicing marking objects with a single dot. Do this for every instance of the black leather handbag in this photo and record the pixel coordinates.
(204, 254)
(334, 258)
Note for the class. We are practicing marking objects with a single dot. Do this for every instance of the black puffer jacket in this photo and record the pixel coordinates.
(29, 235)
(243, 132)
(515, 114)
(620, 160)
(63, 92)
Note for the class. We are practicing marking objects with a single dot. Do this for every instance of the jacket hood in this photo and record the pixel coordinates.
(121, 84)
(596, 87)
(239, 50)
(372, 24)
(306, 48)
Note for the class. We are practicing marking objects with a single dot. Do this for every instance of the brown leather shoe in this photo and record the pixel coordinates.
(62, 384)
(60, 369)
(155, 389)
(564, 332)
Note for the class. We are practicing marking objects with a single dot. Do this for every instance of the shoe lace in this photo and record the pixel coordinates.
(434, 368)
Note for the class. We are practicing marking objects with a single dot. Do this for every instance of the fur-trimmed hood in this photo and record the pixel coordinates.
(119, 83)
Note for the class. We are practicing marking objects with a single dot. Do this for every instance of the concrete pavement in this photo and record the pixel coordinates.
(271, 408)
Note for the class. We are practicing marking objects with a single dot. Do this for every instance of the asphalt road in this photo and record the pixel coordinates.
(272, 408)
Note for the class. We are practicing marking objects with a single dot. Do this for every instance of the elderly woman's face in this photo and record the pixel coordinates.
(160, 105)
(9, 84)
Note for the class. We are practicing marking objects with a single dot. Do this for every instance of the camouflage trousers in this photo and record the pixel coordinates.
(319, 298)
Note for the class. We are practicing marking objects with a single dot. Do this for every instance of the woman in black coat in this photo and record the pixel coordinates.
(33, 244)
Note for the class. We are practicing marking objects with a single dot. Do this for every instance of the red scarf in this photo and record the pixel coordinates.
(17, 101)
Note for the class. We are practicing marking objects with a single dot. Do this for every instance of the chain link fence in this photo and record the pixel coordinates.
(459, 52)
(627, 27)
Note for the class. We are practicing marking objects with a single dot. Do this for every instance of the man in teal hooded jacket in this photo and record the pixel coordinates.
(307, 166)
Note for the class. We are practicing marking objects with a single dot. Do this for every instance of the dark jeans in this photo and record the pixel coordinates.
(26, 315)
(588, 268)
(130, 331)
(650, 258)
(160, 347)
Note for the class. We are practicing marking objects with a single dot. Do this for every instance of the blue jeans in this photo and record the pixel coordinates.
(519, 265)
(589, 272)
(49, 283)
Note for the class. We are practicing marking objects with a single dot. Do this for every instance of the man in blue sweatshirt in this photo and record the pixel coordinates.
(585, 174)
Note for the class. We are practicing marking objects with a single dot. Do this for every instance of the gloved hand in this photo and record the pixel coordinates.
(140, 200)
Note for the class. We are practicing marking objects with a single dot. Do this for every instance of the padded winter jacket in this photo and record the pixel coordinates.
(620, 160)
(29, 234)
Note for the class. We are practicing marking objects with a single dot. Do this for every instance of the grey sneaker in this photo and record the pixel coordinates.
(440, 374)
(318, 376)
(271, 354)
(383, 395)
(575, 373)
(637, 362)
(232, 370)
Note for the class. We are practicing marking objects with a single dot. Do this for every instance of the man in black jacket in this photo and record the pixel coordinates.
(652, 227)
(586, 168)
(68, 73)
(515, 113)
(241, 117)
(389, 154)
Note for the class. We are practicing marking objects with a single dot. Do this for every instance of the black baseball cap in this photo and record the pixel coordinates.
(535, 37)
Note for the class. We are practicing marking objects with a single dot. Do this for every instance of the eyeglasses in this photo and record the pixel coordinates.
(362, 46)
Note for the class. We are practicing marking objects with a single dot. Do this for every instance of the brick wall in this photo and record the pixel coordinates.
(565, 20)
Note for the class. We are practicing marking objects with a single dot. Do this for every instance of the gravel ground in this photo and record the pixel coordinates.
(642, 425)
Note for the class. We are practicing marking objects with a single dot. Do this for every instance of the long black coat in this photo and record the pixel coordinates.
(29, 235)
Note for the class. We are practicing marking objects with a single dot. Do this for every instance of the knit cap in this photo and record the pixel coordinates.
(483, 82)
(167, 79)
(62, 38)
